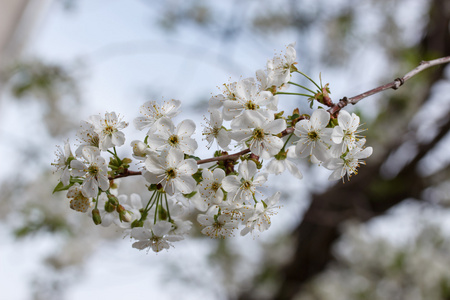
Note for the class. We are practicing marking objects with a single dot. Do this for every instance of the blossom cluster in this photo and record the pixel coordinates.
(224, 189)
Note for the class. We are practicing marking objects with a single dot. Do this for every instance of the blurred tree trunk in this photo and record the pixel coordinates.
(368, 194)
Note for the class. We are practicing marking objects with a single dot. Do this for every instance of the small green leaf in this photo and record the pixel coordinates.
(190, 195)
(61, 187)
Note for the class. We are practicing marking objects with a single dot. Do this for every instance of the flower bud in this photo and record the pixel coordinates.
(96, 216)
(139, 148)
(124, 215)
(113, 200)
(109, 207)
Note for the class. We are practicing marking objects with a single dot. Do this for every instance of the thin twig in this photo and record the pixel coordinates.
(234, 156)
(391, 85)
(126, 174)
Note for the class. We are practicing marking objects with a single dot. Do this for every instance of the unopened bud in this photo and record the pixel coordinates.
(113, 199)
(139, 148)
(109, 207)
(124, 215)
(96, 216)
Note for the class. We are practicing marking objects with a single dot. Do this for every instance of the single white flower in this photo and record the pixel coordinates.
(62, 162)
(242, 188)
(249, 97)
(345, 134)
(108, 129)
(279, 68)
(215, 130)
(260, 137)
(260, 220)
(347, 164)
(217, 226)
(211, 186)
(153, 113)
(88, 137)
(229, 93)
(140, 149)
(313, 136)
(168, 136)
(96, 172)
(172, 171)
(157, 238)
(283, 161)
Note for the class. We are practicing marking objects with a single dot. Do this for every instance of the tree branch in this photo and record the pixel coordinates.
(398, 82)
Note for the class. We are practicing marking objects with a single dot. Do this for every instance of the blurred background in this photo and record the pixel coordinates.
(383, 235)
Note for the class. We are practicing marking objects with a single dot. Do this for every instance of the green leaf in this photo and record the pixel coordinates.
(61, 187)
(190, 195)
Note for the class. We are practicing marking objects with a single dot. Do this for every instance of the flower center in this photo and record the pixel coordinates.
(93, 170)
(258, 134)
(173, 140)
(215, 131)
(171, 173)
(312, 135)
(251, 106)
(247, 184)
(215, 186)
(109, 130)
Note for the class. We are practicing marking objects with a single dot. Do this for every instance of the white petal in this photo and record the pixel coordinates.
(188, 166)
(184, 183)
(161, 228)
(231, 183)
(140, 233)
(319, 119)
(275, 126)
(292, 168)
(276, 166)
(344, 119)
(186, 128)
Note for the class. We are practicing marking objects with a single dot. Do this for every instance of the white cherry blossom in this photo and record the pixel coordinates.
(285, 161)
(242, 188)
(347, 164)
(62, 162)
(168, 136)
(108, 130)
(314, 137)
(157, 238)
(153, 113)
(260, 137)
(249, 97)
(95, 172)
(88, 137)
(260, 220)
(279, 68)
(215, 130)
(217, 226)
(345, 134)
(172, 171)
(210, 188)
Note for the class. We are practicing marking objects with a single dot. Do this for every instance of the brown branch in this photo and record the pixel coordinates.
(125, 174)
(234, 156)
(398, 82)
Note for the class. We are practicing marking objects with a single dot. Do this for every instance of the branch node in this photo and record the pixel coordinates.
(398, 82)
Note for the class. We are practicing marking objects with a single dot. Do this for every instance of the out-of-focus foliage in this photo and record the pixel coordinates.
(55, 86)
(372, 268)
